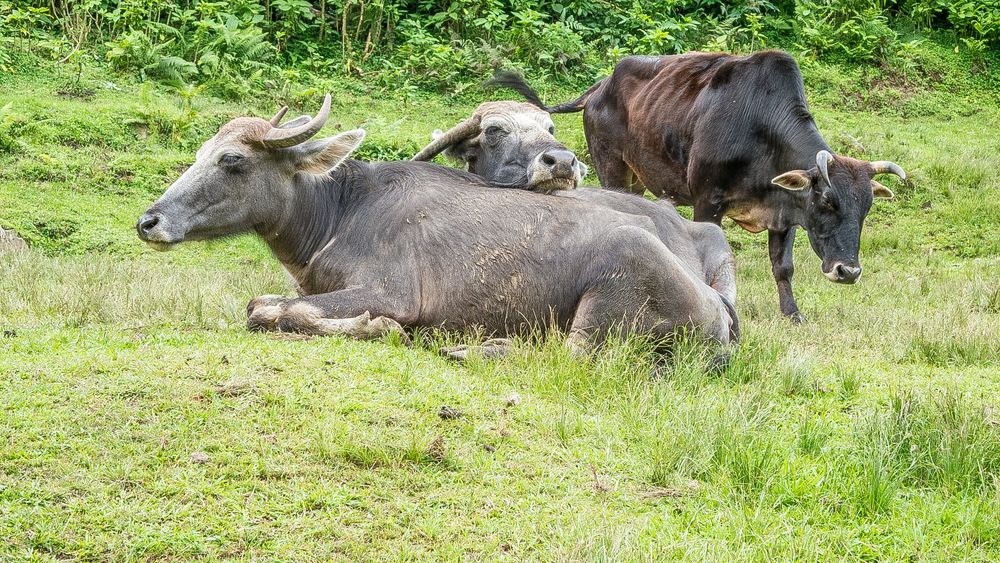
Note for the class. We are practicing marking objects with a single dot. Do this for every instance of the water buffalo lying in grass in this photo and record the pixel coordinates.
(512, 144)
(374, 247)
(733, 137)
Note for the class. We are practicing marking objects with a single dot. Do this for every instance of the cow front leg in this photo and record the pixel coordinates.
(357, 312)
(779, 245)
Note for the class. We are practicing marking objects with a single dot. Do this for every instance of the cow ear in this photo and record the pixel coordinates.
(796, 180)
(324, 155)
(878, 190)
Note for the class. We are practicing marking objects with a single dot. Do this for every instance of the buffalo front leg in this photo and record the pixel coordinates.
(357, 312)
(779, 245)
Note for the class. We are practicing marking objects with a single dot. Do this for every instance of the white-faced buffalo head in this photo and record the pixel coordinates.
(838, 195)
(242, 177)
(510, 144)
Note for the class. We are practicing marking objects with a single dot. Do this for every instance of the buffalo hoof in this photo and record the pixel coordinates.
(263, 312)
(797, 318)
(719, 363)
(489, 350)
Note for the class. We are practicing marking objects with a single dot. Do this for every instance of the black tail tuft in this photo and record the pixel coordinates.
(516, 82)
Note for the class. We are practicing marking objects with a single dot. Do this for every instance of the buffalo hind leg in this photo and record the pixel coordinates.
(356, 312)
(779, 246)
(488, 350)
(647, 291)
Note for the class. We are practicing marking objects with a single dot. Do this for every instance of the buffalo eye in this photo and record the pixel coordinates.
(552, 130)
(494, 131)
(230, 159)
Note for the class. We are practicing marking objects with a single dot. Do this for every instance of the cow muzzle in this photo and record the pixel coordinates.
(556, 169)
(843, 273)
(150, 228)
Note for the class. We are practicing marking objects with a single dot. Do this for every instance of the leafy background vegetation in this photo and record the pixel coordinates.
(139, 420)
(237, 47)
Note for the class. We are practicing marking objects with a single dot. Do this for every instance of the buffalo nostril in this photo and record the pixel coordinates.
(559, 157)
(147, 222)
(838, 270)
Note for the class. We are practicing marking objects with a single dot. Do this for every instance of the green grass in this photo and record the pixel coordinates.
(139, 420)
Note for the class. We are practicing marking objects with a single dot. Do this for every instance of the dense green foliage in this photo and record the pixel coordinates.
(235, 46)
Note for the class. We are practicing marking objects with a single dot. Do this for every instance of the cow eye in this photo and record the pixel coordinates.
(230, 159)
(828, 202)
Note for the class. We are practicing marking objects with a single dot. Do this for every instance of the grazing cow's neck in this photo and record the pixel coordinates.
(315, 208)
(800, 142)
(799, 138)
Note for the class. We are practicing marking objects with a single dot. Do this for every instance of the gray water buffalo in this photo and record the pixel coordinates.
(511, 144)
(733, 137)
(375, 247)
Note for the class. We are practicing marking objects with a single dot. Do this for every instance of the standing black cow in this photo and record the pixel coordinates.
(733, 137)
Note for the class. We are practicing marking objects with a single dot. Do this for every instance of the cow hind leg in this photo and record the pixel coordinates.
(609, 162)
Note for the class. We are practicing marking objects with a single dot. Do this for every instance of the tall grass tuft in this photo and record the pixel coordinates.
(945, 441)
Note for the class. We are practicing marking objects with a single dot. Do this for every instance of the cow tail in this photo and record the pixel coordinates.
(577, 104)
(514, 81)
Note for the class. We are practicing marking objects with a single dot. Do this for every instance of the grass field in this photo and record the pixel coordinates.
(139, 420)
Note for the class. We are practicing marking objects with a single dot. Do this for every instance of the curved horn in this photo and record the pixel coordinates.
(277, 117)
(823, 160)
(278, 138)
(887, 167)
(460, 132)
(301, 120)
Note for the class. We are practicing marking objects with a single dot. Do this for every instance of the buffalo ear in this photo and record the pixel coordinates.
(796, 180)
(878, 190)
(463, 151)
(324, 155)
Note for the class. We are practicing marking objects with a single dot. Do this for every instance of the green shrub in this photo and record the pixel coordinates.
(234, 47)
